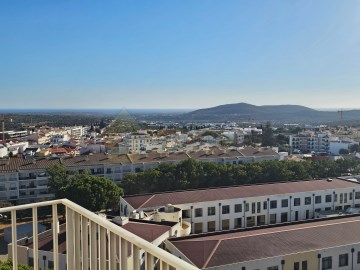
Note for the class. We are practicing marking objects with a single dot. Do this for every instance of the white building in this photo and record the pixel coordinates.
(337, 145)
(313, 245)
(59, 138)
(217, 209)
(309, 142)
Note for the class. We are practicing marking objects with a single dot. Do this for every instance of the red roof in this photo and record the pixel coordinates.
(226, 193)
(237, 247)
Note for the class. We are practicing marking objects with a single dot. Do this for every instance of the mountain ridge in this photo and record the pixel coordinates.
(286, 112)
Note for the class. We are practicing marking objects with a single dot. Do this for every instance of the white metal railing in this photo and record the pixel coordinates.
(93, 242)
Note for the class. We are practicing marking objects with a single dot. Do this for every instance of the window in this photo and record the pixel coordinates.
(357, 195)
(304, 265)
(350, 196)
(211, 211)
(338, 208)
(225, 223)
(345, 197)
(50, 264)
(246, 207)
(318, 199)
(341, 198)
(358, 257)
(198, 212)
(265, 205)
(328, 198)
(237, 223)
(198, 227)
(296, 266)
(273, 204)
(343, 260)
(296, 201)
(273, 268)
(307, 200)
(186, 213)
(335, 197)
(272, 218)
(253, 208)
(317, 209)
(211, 226)
(284, 203)
(327, 208)
(225, 209)
(238, 208)
(326, 263)
(284, 217)
(258, 208)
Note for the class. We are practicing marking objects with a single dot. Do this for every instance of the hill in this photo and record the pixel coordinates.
(245, 111)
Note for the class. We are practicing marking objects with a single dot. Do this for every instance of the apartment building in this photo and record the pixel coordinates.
(25, 179)
(308, 142)
(311, 245)
(217, 209)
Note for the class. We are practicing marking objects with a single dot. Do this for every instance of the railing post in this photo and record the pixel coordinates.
(85, 242)
(123, 257)
(102, 249)
(93, 246)
(77, 232)
(149, 261)
(112, 250)
(35, 238)
(55, 236)
(136, 258)
(14, 240)
(70, 239)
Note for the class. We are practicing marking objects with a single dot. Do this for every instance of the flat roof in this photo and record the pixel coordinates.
(234, 192)
(242, 246)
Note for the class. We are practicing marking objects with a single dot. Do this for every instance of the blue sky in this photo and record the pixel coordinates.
(179, 54)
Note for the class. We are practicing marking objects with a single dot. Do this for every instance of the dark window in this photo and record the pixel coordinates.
(273, 204)
(335, 197)
(246, 207)
(350, 196)
(296, 266)
(326, 263)
(237, 223)
(307, 200)
(317, 209)
(284, 203)
(238, 208)
(327, 208)
(211, 211)
(50, 264)
(345, 197)
(284, 217)
(273, 268)
(357, 195)
(341, 198)
(258, 207)
(198, 212)
(186, 213)
(31, 261)
(225, 209)
(296, 201)
(343, 260)
(328, 198)
(265, 205)
(304, 265)
(358, 259)
(318, 199)
(253, 208)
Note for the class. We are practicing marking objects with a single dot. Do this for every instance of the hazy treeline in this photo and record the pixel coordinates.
(191, 174)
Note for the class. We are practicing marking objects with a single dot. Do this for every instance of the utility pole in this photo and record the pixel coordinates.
(3, 127)
(341, 112)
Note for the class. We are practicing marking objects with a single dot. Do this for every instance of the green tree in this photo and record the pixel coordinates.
(8, 265)
(267, 135)
(343, 151)
(354, 148)
(92, 192)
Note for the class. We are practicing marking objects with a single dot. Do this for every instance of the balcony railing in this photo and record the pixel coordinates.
(92, 241)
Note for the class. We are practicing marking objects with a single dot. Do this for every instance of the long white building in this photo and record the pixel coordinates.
(217, 209)
(316, 245)
(25, 180)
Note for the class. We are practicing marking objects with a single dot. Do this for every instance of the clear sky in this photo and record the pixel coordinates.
(179, 53)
